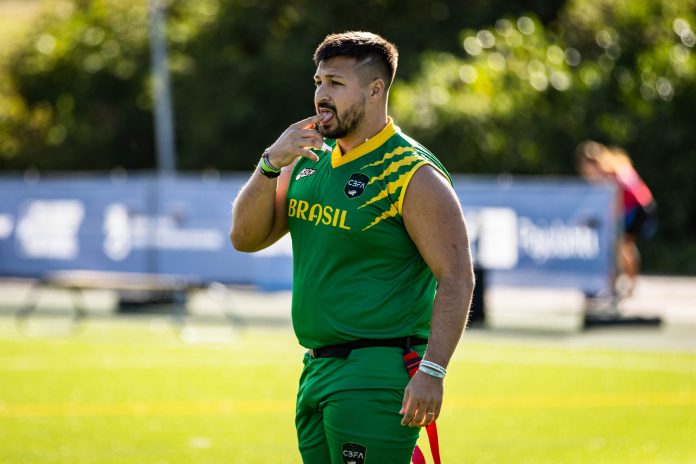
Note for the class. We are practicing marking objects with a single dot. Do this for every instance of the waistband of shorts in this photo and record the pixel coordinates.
(342, 350)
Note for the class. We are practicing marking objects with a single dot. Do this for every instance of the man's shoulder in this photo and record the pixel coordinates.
(417, 151)
(400, 139)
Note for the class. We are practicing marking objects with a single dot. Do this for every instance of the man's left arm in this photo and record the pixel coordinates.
(435, 222)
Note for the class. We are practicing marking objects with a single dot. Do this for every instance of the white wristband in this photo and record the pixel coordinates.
(433, 366)
(431, 372)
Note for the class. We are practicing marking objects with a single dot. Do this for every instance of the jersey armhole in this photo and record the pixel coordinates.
(409, 176)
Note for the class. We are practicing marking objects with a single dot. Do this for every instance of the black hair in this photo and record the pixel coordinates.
(361, 46)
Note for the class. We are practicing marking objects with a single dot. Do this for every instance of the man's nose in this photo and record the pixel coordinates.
(321, 94)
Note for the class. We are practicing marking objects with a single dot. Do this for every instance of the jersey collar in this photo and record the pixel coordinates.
(339, 159)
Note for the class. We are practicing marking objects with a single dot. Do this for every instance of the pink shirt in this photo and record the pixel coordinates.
(635, 192)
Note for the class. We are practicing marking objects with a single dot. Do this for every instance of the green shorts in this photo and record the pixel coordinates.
(348, 409)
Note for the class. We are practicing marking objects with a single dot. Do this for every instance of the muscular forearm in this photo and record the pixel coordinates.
(258, 212)
(423, 395)
(450, 313)
(253, 213)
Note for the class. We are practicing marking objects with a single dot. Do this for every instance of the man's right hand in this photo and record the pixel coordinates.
(296, 141)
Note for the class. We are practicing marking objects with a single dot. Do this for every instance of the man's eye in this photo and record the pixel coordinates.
(336, 84)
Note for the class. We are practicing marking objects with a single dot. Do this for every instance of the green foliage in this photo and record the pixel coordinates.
(79, 89)
(520, 96)
(83, 93)
(251, 70)
(470, 106)
(78, 94)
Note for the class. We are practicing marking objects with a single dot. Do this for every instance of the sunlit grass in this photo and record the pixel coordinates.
(125, 391)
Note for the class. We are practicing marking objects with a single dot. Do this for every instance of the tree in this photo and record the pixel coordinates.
(520, 96)
(79, 93)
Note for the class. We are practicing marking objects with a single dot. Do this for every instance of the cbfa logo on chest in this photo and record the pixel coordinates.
(356, 185)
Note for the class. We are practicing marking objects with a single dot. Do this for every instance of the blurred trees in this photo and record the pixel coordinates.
(77, 91)
(78, 94)
(520, 95)
(496, 86)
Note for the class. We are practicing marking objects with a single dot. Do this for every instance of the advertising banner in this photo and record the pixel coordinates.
(543, 233)
(529, 232)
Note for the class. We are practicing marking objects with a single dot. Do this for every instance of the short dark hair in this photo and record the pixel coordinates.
(360, 45)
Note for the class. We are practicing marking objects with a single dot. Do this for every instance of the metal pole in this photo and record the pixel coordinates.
(164, 121)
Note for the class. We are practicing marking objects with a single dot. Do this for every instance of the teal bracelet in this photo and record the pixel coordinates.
(266, 168)
(431, 372)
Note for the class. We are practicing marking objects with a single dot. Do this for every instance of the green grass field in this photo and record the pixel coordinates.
(125, 391)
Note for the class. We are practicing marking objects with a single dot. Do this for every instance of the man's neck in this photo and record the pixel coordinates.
(365, 131)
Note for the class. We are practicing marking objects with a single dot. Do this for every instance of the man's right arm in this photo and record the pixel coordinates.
(259, 215)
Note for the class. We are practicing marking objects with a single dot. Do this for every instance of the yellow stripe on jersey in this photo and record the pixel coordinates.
(390, 155)
(395, 167)
(390, 189)
(387, 214)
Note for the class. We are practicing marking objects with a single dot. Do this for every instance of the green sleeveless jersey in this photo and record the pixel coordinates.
(356, 272)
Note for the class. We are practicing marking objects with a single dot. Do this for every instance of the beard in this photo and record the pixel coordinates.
(346, 123)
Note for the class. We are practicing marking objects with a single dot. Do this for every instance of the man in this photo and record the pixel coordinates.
(381, 259)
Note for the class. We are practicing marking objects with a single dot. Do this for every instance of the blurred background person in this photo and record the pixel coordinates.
(598, 163)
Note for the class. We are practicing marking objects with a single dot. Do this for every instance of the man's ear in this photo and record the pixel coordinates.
(377, 88)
